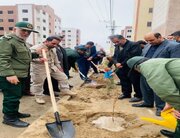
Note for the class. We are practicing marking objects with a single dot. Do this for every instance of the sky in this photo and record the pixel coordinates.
(90, 16)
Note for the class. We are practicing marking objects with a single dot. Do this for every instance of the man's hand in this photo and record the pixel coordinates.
(42, 60)
(118, 65)
(61, 69)
(177, 114)
(166, 107)
(90, 58)
(12, 79)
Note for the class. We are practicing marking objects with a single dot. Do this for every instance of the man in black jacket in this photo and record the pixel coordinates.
(124, 50)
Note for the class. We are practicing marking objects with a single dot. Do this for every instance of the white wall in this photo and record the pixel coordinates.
(28, 15)
(159, 13)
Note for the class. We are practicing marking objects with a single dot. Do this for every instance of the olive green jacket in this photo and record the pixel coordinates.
(163, 76)
(15, 57)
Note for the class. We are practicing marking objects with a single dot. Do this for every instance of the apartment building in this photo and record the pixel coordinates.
(143, 16)
(127, 32)
(72, 37)
(166, 17)
(41, 16)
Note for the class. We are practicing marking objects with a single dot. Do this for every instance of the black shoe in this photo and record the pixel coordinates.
(142, 105)
(87, 80)
(23, 115)
(167, 133)
(123, 96)
(135, 99)
(158, 112)
(14, 121)
(118, 83)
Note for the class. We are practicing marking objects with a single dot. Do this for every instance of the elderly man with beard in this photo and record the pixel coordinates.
(15, 59)
(38, 73)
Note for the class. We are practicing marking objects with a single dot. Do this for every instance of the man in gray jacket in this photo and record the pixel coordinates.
(157, 47)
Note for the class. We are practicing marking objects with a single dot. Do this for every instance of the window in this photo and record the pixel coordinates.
(44, 28)
(69, 30)
(10, 28)
(44, 36)
(1, 28)
(63, 31)
(128, 36)
(69, 39)
(38, 19)
(1, 20)
(49, 31)
(1, 12)
(150, 10)
(10, 20)
(44, 20)
(149, 24)
(25, 19)
(44, 12)
(69, 35)
(129, 30)
(25, 11)
(10, 12)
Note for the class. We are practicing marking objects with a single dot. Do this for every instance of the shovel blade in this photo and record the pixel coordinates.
(65, 131)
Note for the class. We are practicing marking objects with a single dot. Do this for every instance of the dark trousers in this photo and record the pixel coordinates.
(127, 80)
(135, 80)
(12, 95)
(54, 84)
(149, 96)
(94, 68)
(177, 131)
(84, 66)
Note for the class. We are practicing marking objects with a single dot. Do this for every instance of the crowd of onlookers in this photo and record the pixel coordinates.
(154, 46)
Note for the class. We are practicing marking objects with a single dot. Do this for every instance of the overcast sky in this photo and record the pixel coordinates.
(90, 16)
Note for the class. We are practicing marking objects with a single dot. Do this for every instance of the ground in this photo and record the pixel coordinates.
(90, 104)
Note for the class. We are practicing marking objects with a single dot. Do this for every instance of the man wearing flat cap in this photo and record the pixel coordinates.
(15, 59)
(163, 77)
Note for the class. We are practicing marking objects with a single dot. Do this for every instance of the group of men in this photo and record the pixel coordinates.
(156, 47)
(19, 62)
(16, 61)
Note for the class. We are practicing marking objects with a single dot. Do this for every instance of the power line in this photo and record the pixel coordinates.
(100, 10)
(97, 15)
(106, 9)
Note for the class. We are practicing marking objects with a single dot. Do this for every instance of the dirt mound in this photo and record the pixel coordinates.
(89, 105)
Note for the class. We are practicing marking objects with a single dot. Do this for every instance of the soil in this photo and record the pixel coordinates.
(82, 110)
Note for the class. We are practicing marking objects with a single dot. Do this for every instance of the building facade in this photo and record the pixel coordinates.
(166, 17)
(127, 32)
(143, 15)
(71, 37)
(41, 16)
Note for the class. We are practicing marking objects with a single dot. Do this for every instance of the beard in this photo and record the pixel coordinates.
(18, 34)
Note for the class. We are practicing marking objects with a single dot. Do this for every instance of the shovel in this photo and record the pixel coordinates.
(57, 129)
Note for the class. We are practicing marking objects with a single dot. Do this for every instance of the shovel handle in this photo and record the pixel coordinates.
(49, 82)
(95, 65)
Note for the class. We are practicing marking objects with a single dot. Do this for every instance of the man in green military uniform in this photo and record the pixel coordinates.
(15, 59)
(163, 76)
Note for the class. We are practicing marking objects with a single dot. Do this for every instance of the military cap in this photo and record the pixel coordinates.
(25, 26)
